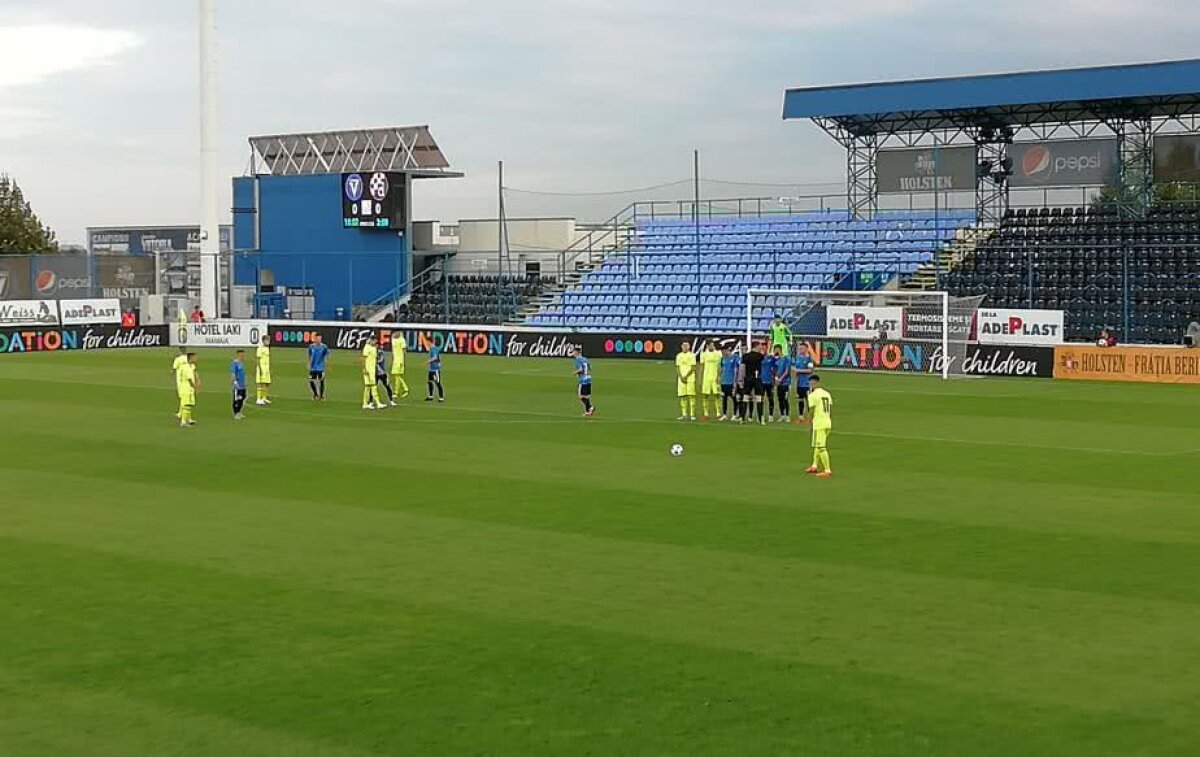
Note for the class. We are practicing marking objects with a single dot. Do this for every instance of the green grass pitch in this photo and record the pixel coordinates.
(998, 567)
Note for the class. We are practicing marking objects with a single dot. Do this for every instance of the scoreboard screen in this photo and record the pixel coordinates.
(373, 200)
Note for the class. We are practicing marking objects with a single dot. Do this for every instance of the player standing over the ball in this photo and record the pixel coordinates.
(752, 362)
(729, 370)
(399, 348)
(820, 407)
(318, 356)
(802, 366)
(189, 383)
(262, 377)
(370, 353)
(710, 381)
(237, 377)
(583, 374)
(434, 379)
(685, 381)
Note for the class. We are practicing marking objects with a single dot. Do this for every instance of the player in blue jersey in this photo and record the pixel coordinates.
(237, 376)
(768, 384)
(583, 374)
(729, 370)
(381, 376)
(802, 366)
(434, 379)
(783, 383)
(318, 356)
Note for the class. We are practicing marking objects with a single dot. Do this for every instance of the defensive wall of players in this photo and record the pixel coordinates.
(1133, 363)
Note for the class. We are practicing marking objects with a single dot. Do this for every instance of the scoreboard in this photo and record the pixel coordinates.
(373, 200)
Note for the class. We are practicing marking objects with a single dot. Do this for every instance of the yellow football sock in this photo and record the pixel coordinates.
(401, 384)
(825, 460)
(816, 458)
(375, 394)
(366, 395)
(692, 406)
(683, 405)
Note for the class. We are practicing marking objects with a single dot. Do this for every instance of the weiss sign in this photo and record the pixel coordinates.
(219, 334)
(853, 322)
(29, 313)
(79, 312)
(1044, 327)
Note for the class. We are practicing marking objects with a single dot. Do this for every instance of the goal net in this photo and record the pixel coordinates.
(894, 331)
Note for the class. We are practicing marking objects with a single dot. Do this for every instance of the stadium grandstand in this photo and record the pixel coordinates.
(1027, 146)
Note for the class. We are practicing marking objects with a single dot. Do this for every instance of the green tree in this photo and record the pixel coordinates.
(21, 231)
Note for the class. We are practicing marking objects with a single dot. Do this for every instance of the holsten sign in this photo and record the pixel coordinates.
(1084, 162)
(927, 169)
(1041, 327)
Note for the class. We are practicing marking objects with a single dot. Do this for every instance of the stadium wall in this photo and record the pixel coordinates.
(291, 227)
(831, 354)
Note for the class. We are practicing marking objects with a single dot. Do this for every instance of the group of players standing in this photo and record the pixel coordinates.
(757, 383)
(373, 362)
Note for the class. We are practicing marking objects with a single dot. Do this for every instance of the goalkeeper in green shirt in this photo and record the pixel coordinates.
(781, 335)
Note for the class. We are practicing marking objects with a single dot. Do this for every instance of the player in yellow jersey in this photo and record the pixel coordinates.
(188, 381)
(710, 381)
(179, 361)
(262, 374)
(820, 410)
(399, 347)
(685, 377)
(370, 356)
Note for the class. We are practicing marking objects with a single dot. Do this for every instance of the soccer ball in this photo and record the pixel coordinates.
(676, 450)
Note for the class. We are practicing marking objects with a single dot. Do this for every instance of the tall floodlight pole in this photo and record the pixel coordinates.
(210, 228)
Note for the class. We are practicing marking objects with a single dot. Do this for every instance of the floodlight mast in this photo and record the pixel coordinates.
(210, 228)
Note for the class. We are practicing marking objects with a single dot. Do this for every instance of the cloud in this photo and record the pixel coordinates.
(31, 54)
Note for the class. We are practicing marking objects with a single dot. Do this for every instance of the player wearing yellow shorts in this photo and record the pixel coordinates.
(262, 373)
(710, 381)
(685, 377)
(179, 361)
(370, 358)
(399, 348)
(820, 409)
(187, 381)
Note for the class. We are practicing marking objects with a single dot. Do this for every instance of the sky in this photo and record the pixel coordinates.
(99, 101)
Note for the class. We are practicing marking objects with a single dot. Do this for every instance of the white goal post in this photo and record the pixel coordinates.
(932, 325)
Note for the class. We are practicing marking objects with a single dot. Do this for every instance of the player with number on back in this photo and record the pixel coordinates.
(583, 374)
(820, 406)
(318, 356)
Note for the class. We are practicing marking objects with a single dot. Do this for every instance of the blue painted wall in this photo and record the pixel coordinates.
(301, 239)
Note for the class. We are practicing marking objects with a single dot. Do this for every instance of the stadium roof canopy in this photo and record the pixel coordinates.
(405, 149)
(1134, 92)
